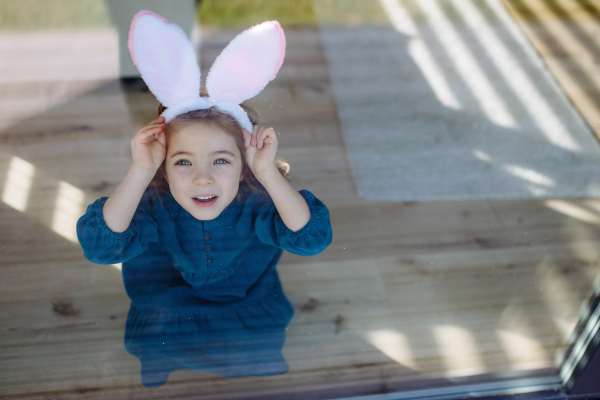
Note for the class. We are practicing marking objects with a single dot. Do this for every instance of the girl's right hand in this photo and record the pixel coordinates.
(147, 151)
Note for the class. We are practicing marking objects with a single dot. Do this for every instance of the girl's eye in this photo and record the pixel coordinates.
(221, 161)
(182, 162)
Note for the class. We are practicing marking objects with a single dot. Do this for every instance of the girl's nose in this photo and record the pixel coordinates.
(203, 177)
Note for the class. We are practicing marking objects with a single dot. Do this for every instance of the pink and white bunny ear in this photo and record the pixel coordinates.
(247, 64)
(165, 58)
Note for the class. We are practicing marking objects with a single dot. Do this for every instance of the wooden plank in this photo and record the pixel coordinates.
(378, 308)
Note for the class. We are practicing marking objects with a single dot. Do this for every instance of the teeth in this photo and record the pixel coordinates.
(204, 198)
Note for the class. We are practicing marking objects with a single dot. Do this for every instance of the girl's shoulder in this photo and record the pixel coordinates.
(260, 200)
(160, 206)
(259, 203)
(153, 199)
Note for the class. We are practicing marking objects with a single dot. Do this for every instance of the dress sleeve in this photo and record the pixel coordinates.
(312, 239)
(103, 246)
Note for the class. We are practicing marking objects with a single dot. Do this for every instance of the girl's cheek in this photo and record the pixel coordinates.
(224, 170)
(231, 175)
(174, 176)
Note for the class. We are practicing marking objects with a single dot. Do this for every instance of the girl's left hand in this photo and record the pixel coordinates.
(261, 148)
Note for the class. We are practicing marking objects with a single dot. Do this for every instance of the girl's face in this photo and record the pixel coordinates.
(204, 167)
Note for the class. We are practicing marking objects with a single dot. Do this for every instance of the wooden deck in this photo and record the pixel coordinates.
(406, 292)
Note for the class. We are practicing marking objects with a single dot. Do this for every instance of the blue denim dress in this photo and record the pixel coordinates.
(205, 295)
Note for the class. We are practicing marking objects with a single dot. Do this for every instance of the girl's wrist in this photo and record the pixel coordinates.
(141, 173)
(267, 175)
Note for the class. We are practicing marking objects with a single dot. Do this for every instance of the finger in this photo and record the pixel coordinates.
(144, 131)
(157, 121)
(247, 137)
(254, 133)
(263, 135)
(162, 132)
(249, 154)
(152, 125)
(159, 143)
(271, 137)
(258, 138)
(145, 136)
(261, 139)
(162, 138)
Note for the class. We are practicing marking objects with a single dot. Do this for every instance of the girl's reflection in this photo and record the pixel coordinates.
(170, 326)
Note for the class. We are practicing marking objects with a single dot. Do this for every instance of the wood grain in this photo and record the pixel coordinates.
(407, 292)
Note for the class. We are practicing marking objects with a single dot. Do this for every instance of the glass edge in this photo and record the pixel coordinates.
(583, 343)
(508, 387)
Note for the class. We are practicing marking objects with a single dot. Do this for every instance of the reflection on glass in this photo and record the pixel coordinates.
(171, 326)
(462, 185)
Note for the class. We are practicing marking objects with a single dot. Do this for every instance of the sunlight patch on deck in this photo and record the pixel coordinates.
(522, 350)
(421, 54)
(18, 183)
(458, 350)
(530, 98)
(392, 344)
(467, 66)
(67, 210)
(573, 211)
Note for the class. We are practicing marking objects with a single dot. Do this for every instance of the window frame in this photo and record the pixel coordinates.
(578, 374)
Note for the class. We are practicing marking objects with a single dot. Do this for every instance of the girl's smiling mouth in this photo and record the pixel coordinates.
(205, 201)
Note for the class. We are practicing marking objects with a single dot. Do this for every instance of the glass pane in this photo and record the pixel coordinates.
(453, 144)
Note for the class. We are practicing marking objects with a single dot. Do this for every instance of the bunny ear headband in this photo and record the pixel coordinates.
(167, 63)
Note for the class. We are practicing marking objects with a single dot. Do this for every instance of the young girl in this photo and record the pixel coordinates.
(199, 223)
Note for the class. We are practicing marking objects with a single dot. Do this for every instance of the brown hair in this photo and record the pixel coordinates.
(215, 118)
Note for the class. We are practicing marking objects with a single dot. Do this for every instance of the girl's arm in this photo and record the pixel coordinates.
(148, 149)
(297, 222)
(120, 207)
(261, 148)
(291, 206)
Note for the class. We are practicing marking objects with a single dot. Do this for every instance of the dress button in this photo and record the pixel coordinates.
(208, 248)
(206, 237)
(209, 260)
